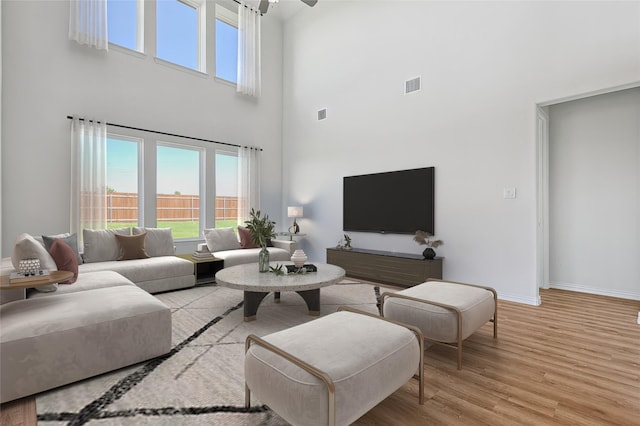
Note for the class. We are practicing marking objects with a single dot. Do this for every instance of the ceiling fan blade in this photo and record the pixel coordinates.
(263, 6)
(310, 2)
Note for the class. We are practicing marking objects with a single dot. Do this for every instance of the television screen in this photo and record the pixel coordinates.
(399, 202)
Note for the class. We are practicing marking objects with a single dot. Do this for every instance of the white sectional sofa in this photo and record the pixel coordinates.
(103, 321)
(237, 250)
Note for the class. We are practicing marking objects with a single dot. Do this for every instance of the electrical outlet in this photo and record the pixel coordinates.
(509, 193)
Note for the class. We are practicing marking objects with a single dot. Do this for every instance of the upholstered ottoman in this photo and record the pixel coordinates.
(332, 370)
(446, 312)
(52, 341)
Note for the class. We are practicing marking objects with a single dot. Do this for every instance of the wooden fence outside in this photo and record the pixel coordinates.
(123, 207)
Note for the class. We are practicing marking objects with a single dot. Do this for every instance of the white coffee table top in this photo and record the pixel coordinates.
(247, 277)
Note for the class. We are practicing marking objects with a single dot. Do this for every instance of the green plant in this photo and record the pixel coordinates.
(424, 238)
(261, 228)
(277, 269)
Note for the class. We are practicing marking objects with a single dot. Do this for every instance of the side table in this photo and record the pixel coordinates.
(204, 269)
(17, 291)
(292, 234)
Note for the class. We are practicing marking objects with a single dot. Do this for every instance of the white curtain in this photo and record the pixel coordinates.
(249, 79)
(88, 23)
(248, 181)
(88, 175)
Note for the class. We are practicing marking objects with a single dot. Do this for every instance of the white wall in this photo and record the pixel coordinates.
(484, 66)
(47, 77)
(594, 194)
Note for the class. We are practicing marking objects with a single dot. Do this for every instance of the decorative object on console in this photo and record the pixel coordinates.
(294, 212)
(298, 258)
(261, 229)
(424, 238)
(347, 242)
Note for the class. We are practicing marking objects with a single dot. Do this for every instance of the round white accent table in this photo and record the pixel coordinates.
(256, 285)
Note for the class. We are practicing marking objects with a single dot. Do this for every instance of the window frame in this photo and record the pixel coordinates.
(230, 18)
(140, 142)
(201, 37)
(139, 48)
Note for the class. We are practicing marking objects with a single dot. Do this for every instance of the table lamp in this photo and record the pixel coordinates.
(294, 212)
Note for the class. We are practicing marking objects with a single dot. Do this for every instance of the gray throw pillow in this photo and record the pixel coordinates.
(71, 240)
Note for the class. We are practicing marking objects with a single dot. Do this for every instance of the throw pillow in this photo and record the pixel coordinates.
(71, 240)
(100, 245)
(132, 246)
(220, 239)
(26, 247)
(159, 241)
(245, 238)
(66, 259)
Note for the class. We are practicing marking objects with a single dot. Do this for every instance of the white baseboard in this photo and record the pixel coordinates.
(599, 291)
(535, 301)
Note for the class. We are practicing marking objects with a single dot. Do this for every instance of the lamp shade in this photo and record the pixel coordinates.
(295, 211)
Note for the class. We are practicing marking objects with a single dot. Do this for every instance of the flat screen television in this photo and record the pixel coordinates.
(398, 202)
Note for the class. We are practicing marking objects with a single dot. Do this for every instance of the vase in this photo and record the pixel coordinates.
(263, 260)
(429, 253)
(298, 258)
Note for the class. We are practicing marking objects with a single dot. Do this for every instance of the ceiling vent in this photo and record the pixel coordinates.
(412, 85)
(322, 114)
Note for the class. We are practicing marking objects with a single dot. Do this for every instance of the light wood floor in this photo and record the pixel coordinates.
(574, 360)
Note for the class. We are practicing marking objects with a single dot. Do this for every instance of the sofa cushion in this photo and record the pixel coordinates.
(240, 257)
(132, 246)
(70, 239)
(141, 270)
(246, 241)
(101, 245)
(159, 241)
(219, 239)
(65, 258)
(88, 281)
(56, 340)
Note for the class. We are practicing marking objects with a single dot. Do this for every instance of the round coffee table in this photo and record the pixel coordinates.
(256, 285)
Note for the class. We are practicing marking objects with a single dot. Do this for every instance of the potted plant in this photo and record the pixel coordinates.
(261, 229)
(424, 238)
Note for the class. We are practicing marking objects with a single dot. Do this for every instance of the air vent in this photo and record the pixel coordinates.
(412, 85)
(322, 114)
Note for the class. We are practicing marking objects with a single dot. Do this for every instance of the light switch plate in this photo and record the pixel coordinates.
(509, 193)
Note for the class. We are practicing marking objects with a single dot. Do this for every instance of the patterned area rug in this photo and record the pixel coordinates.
(201, 381)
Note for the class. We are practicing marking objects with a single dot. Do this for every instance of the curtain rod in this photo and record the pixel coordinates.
(247, 6)
(172, 134)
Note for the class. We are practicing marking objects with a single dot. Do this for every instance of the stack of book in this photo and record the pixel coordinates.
(19, 278)
(202, 255)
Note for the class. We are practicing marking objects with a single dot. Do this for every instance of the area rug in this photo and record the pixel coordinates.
(201, 381)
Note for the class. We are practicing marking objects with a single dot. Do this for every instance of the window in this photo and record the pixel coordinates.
(125, 23)
(226, 189)
(165, 183)
(178, 190)
(226, 44)
(179, 32)
(122, 181)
